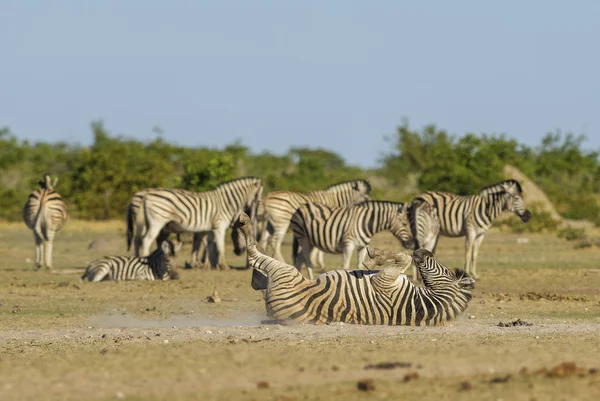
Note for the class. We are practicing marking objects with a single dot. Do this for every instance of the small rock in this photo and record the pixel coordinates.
(166, 341)
(366, 385)
(262, 384)
(471, 316)
(119, 395)
(208, 332)
(465, 386)
(411, 376)
(214, 298)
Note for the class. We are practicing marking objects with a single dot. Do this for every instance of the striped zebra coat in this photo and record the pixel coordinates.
(466, 216)
(200, 240)
(279, 207)
(344, 229)
(384, 297)
(199, 212)
(45, 213)
(158, 266)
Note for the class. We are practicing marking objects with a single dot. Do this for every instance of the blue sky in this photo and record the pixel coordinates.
(333, 74)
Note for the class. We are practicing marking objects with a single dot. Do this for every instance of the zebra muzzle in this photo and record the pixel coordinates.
(525, 216)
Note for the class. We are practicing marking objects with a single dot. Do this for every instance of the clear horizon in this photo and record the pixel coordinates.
(336, 75)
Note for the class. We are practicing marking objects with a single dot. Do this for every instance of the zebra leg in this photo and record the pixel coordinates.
(362, 255)
(199, 242)
(39, 250)
(347, 254)
(152, 232)
(219, 239)
(469, 243)
(48, 251)
(304, 256)
(276, 241)
(476, 246)
(317, 258)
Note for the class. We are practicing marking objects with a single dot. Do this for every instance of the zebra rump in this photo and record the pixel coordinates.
(370, 297)
(157, 266)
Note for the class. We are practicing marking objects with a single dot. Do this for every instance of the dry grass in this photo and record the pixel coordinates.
(64, 340)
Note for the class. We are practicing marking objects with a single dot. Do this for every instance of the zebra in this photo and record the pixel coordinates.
(199, 241)
(280, 206)
(343, 229)
(369, 297)
(45, 213)
(199, 212)
(467, 216)
(158, 266)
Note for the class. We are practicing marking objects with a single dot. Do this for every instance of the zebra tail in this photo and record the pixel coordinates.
(43, 222)
(129, 227)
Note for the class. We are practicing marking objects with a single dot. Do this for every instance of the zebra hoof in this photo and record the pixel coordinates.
(36, 267)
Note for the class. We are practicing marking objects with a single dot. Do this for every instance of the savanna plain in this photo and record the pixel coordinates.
(61, 339)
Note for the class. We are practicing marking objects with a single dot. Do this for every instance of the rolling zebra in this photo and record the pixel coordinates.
(158, 266)
(384, 297)
(343, 229)
(45, 213)
(466, 216)
(199, 242)
(280, 206)
(199, 212)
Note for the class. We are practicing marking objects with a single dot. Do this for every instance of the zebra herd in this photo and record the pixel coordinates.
(340, 219)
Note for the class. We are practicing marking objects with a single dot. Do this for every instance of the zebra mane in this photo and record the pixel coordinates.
(350, 182)
(238, 180)
(499, 187)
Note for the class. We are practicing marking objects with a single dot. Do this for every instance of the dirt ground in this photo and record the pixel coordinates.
(65, 340)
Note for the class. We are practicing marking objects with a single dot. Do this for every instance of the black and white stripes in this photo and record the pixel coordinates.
(45, 213)
(344, 229)
(158, 265)
(280, 206)
(199, 212)
(384, 297)
(466, 216)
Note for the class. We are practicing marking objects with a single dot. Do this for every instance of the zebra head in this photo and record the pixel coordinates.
(514, 201)
(436, 275)
(357, 189)
(401, 228)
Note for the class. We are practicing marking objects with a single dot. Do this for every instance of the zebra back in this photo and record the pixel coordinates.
(327, 227)
(45, 208)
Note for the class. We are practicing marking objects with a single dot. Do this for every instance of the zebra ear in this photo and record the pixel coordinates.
(55, 181)
(355, 186)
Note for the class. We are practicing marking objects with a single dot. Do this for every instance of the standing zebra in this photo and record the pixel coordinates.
(158, 266)
(199, 241)
(384, 297)
(199, 212)
(466, 216)
(343, 229)
(281, 205)
(45, 213)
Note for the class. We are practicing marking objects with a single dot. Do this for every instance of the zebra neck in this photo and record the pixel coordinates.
(272, 267)
(378, 219)
(495, 203)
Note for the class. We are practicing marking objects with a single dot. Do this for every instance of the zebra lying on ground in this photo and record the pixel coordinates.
(199, 212)
(360, 296)
(343, 229)
(45, 213)
(468, 216)
(279, 207)
(158, 266)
